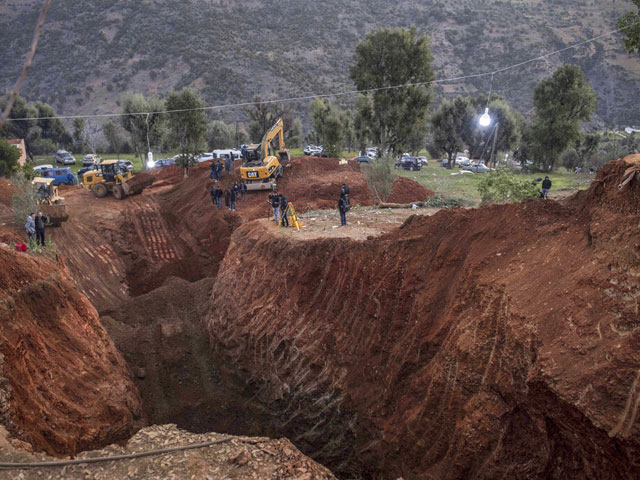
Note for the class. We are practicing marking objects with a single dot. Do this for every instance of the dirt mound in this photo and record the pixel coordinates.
(65, 386)
(480, 343)
(406, 190)
(6, 192)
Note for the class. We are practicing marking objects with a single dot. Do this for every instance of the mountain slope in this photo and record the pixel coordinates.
(92, 52)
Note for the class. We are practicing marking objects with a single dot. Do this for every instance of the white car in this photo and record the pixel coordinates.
(42, 167)
(423, 161)
(463, 162)
(203, 157)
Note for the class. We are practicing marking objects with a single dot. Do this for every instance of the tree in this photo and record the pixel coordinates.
(630, 26)
(327, 122)
(143, 127)
(380, 177)
(25, 129)
(388, 58)
(503, 186)
(9, 156)
(187, 129)
(508, 124)
(115, 139)
(263, 115)
(220, 135)
(78, 131)
(52, 128)
(451, 124)
(561, 103)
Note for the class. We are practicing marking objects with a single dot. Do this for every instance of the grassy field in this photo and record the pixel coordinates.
(137, 163)
(451, 184)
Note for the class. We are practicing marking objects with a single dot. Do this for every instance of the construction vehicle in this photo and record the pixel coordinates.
(261, 169)
(49, 202)
(109, 176)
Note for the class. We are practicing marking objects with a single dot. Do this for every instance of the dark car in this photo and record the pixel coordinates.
(364, 159)
(320, 154)
(164, 162)
(64, 157)
(409, 163)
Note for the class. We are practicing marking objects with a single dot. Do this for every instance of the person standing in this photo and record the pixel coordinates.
(243, 190)
(227, 198)
(283, 210)
(30, 226)
(214, 174)
(275, 204)
(344, 192)
(40, 221)
(546, 186)
(232, 200)
(236, 190)
(219, 195)
(213, 194)
(227, 163)
(342, 207)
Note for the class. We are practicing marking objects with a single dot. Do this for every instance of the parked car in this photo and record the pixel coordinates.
(311, 149)
(90, 159)
(462, 162)
(479, 168)
(204, 157)
(41, 167)
(64, 157)
(163, 162)
(61, 176)
(320, 153)
(408, 163)
(363, 159)
(125, 165)
(423, 161)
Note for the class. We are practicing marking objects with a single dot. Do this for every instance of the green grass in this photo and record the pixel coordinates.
(465, 186)
(48, 159)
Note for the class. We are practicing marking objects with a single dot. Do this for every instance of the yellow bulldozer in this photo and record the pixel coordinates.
(108, 176)
(260, 168)
(49, 202)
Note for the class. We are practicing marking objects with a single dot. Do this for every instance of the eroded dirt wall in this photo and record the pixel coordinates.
(65, 388)
(484, 343)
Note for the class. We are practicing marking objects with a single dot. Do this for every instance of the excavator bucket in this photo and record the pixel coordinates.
(55, 213)
(137, 183)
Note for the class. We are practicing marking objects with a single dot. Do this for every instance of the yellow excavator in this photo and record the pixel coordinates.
(260, 168)
(108, 176)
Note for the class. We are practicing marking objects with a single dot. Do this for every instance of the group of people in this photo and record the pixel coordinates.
(343, 205)
(35, 227)
(217, 168)
(279, 204)
(228, 197)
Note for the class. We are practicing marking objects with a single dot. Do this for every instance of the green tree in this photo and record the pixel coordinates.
(451, 125)
(561, 103)
(263, 115)
(388, 58)
(52, 128)
(503, 186)
(506, 121)
(9, 156)
(327, 122)
(380, 176)
(115, 137)
(187, 129)
(79, 131)
(220, 135)
(26, 129)
(143, 127)
(630, 26)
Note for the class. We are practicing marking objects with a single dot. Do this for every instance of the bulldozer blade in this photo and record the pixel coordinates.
(138, 182)
(55, 213)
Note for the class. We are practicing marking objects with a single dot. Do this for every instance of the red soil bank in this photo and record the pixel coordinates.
(65, 386)
(6, 191)
(501, 342)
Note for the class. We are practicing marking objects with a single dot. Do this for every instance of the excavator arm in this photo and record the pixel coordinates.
(260, 168)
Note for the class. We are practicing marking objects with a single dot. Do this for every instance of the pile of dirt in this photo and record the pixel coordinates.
(64, 386)
(406, 190)
(228, 457)
(7, 191)
(480, 343)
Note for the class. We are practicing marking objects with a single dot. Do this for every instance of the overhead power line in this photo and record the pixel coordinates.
(335, 94)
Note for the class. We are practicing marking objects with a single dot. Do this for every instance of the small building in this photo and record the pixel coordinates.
(19, 144)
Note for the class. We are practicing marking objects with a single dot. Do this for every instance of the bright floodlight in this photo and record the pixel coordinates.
(485, 120)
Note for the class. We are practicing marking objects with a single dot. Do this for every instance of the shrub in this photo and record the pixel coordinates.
(380, 177)
(502, 186)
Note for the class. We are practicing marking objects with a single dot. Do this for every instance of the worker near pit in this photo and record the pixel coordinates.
(227, 163)
(227, 198)
(344, 192)
(283, 210)
(546, 186)
(236, 189)
(213, 194)
(243, 190)
(343, 206)
(219, 195)
(274, 199)
(232, 199)
(40, 221)
(30, 227)
(214, 172)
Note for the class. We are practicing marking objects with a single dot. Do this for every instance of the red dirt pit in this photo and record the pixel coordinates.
(65, 388)
(499, 342)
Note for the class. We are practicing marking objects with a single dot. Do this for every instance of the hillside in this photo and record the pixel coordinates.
(92, 52)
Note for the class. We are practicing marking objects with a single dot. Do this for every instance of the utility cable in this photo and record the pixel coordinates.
(149, 453)
(334, 94)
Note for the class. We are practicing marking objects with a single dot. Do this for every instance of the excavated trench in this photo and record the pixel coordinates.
(436, 351)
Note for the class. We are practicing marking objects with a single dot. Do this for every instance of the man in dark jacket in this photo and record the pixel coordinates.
(236, 189)
(243, 190)
(40, 222)
(342, 208)
(227, 163)
(274, 198)
(546, 186)
(232, 199)
(283, 210)
(344, 192)
(219, 195)
(227, 198)
(214, 171)
(213, 193)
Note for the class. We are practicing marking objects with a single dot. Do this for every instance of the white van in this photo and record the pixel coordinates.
(235, 154)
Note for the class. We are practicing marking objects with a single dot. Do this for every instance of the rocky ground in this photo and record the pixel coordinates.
(229, 458)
